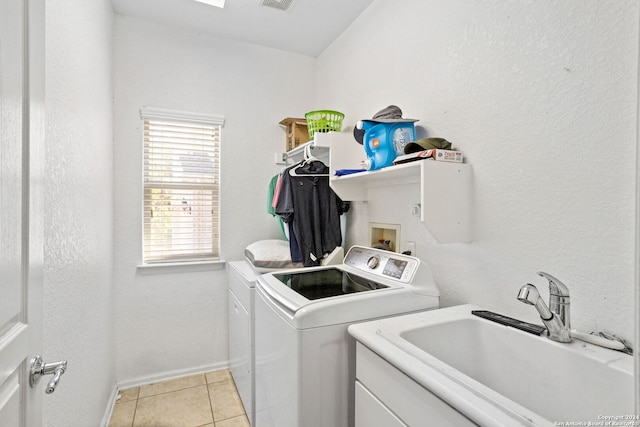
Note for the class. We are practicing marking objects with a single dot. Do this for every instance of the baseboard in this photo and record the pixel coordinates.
(110, 405)
(166, 376)
(170, 375)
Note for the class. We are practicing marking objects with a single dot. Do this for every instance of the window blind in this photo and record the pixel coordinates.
(181, 187)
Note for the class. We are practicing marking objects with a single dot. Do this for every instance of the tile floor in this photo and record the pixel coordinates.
(205, 400)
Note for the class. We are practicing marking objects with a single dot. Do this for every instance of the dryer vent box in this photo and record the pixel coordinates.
(384, 235)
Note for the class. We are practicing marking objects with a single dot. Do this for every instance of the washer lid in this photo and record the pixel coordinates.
(304, 313)
(327, 283)
(371, 283)
(293, 293)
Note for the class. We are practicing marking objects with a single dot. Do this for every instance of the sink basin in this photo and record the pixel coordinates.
(499, 375)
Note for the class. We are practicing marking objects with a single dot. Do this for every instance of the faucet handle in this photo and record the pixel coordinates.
(559, 301)
(556, 287)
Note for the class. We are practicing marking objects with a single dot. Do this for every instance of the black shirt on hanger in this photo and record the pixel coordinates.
(307, 201)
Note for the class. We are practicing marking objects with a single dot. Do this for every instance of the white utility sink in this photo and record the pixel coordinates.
(499, 375)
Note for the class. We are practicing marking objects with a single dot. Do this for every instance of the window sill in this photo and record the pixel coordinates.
(180, 267)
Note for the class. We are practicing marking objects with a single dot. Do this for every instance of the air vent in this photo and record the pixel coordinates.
(277, 4)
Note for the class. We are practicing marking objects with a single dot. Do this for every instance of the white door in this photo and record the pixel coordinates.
(21, 210)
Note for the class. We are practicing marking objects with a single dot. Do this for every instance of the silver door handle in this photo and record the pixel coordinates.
(39, 369)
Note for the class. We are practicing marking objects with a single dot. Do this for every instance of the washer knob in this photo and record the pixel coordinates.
(373, 262)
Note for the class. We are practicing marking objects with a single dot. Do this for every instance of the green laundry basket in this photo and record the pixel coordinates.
(323, 121)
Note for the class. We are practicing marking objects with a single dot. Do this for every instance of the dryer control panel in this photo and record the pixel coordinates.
(390, 265)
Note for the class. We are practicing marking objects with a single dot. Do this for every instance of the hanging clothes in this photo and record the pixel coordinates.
(283, 202)
(312, 208)
(273, 186)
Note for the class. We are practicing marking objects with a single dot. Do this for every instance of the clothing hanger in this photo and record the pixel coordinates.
(293, 172)
(308, 159)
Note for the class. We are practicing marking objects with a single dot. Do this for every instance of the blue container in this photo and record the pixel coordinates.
(384, 141)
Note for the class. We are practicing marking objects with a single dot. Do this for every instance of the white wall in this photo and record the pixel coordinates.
(532, 92)
(78, 292)
(541, 98)
(176, 322)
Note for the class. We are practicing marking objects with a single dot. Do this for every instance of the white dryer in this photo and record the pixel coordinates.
(242, 278)
(305, 358)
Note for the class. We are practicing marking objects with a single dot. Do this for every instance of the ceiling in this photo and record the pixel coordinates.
(307, 27)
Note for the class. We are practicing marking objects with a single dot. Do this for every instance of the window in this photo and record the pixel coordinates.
(181, 186)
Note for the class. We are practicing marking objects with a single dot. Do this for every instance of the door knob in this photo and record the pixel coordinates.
(39, 369)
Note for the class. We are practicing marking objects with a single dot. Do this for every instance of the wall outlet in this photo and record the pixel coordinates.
(278, 159)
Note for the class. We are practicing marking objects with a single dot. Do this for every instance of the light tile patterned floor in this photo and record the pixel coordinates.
(205, 400)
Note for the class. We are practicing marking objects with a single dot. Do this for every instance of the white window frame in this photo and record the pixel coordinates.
(150, 113)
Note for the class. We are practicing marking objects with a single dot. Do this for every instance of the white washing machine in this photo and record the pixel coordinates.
(304, 356)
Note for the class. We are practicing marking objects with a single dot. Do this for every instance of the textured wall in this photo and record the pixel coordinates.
(175, 322)
(541, 97)
(534, 93)
(78, 291)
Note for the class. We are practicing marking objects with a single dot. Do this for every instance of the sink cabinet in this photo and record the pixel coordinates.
(371, 412)
(386, 397)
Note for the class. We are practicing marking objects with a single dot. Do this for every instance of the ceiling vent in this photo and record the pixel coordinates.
(277, 4)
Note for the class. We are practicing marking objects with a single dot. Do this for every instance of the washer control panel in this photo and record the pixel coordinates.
(383, 263)
(373, 262)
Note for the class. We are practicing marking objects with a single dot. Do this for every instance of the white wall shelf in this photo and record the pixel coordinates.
(445, 188)
(319, 143)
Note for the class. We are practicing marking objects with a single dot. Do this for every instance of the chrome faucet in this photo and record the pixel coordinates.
(556, 317)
